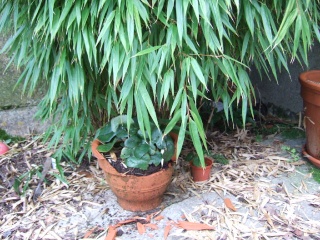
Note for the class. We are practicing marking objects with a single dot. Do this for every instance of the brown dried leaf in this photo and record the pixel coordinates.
(112, 233)
(158, 218)
(141, 228)
(113, 156)
(88, 233)
(229, 204)
(167, 231)
(194, 226)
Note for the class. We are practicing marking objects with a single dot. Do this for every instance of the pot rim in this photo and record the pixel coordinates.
(107, 167)
(307, 79)
(313, 160)
(208, 160)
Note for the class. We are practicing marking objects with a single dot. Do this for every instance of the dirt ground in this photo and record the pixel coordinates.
(262, 193)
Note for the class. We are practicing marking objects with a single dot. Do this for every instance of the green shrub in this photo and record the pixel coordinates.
(150, 59)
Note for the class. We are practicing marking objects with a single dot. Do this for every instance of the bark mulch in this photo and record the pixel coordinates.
(260, 208)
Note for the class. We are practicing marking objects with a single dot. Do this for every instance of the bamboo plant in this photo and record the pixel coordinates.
(150, 59)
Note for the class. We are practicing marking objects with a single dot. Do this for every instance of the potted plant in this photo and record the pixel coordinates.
(198, 172)
(3, 148)
(138, 168)
(310, 92)
(99, 59)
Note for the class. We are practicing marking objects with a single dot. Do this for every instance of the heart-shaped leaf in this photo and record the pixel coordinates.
(141, 150)
(137, 163)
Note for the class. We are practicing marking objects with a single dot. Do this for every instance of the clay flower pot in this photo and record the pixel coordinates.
(200, 174)
(3, 148)
(134, 193)
(310, 92)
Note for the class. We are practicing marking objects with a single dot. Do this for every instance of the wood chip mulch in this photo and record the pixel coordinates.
(255, 205)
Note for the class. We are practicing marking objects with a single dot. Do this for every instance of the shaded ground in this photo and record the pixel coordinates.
(274, 197)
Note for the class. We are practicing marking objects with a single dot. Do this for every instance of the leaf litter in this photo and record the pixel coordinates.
(249, 204)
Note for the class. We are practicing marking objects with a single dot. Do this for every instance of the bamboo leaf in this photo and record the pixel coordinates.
(146, 51)
(197, 70)
(196, 141)
(148, 102)
(180, 19)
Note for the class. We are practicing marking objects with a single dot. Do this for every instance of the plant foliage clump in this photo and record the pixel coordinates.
(150, 59)
(137, 149)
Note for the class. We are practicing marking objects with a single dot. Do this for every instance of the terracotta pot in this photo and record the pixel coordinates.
(134, 193)
(310, 92)
(313, 160)
(3, 148)
(200, 174)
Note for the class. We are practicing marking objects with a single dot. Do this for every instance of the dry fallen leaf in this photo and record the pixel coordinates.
(229, 204)
(166, 231)
(193, 226)
(112, 233)
(158, 218)
(113, 156)
(88, 233)
(141, 228)
(125, 222)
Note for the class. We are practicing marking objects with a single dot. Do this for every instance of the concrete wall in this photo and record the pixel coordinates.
(11, 96)
(285, 93)
(17, 110)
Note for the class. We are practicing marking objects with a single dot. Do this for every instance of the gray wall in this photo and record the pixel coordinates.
(11, 96)
(17, 110)
(286, 93)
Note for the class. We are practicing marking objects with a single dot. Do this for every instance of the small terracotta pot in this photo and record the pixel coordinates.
(310, 92)
(3, 148)
(200, 174)
(134, 193)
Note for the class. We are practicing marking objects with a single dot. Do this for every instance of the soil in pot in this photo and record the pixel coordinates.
(121, 168)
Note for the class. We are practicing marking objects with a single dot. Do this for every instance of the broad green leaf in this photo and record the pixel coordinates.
(132, 142)
(156, 159)
(126, 152)
(106, 147)
(137, 163)
(141, 150)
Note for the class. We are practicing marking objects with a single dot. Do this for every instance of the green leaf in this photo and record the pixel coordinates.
(107, 147)
(141, 150)
(146, 51)
(126, 152)
(148, 102)
(196, 141)
(137, 163)
(180, 19)
(106, 137)
(197, 70)
(156, 159)
(132, 142)
(169, 149)
(249, 15)
(172, 122)
(119, 120)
